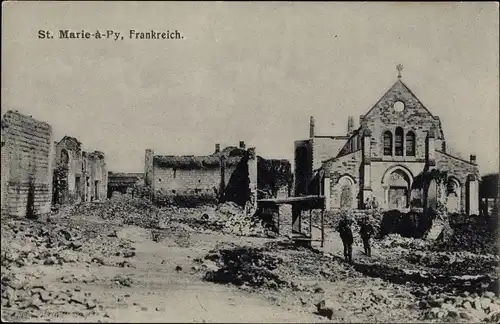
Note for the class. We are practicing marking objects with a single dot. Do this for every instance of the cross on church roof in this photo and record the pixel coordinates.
(399, 67)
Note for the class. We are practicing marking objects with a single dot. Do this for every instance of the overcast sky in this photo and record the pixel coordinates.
(248, 71)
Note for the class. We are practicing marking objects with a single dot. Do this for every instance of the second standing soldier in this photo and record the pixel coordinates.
(366, 232)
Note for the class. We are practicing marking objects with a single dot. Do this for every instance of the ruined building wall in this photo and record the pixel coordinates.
(303, 166)
(5, 168)
(461, 170)
(324, 148)
(252, 163)
(98, 175)
(213, 177)
(456, 167)
(228, 171)
(68, 173)
(27, 149)
(209, 180)
(171, 180)
(86, 172)
(78, 175)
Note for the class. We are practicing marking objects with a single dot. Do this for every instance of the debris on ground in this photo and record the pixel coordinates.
(477, 235)
(244, 266)
(21, 294)
(227, 218)
(122, 210)
(470, 307)
(395, 240)
(450, 278)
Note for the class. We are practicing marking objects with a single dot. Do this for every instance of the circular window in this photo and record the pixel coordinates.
(399, 106)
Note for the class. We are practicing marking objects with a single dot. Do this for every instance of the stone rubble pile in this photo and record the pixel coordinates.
(318, 267)
(45, 245)
(455, 263)
(465, 307)
(228, 218)
(249, 267)
(476, 238)
(369, 301)
(124, 210)
(36, 243)
(234, 221)
(23, 294)
(395, 240)
(19, 293)
(48, 244)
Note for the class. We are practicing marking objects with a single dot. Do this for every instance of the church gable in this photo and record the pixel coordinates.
(400, 107)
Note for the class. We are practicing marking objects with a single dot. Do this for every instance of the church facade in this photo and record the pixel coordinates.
(382, 160)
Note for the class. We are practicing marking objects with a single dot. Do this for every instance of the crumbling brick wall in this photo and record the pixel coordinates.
(238, 186)
(27, 149)
(178, 180)
(4, 166)
(68, 181)
(211, 178)
(98, 175)
(303, 166)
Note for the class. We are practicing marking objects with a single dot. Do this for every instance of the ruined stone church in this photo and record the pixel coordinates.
(397, 141)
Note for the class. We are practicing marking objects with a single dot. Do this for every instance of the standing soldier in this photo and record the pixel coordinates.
(345, 232)
(366, 232)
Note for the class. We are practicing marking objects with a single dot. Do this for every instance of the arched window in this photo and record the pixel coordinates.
(387, 143)
(410, 143)
(398, 145)
(64, 157)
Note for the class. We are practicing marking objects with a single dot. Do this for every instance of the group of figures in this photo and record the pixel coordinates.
(366, 232)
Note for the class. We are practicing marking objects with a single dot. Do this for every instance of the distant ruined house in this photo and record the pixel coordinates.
(397, 141)
(227, 175)
(78, 175)
(123, 182)
(233, 174)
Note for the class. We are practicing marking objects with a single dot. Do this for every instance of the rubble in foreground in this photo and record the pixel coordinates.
(47, 245)
(417, 277)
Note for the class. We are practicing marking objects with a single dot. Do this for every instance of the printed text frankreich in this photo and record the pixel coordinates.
(110, 34)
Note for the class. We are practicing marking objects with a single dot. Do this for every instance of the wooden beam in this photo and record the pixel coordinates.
(322, 228)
